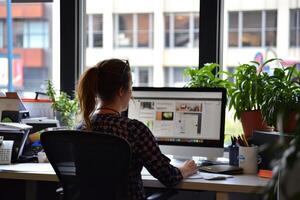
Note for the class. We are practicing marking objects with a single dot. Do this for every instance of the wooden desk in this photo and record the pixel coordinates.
(31, 172)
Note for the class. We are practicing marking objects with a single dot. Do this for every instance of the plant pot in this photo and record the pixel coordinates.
(253, 121)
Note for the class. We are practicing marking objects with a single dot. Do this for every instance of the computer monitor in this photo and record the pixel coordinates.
(186, 122)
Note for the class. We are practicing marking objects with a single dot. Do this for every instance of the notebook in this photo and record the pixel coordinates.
(221, 169)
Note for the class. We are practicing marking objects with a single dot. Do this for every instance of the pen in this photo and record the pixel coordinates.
(245, 141)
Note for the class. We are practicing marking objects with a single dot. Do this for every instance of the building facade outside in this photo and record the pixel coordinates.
(260, 30)
(32, 45)
(160, 38)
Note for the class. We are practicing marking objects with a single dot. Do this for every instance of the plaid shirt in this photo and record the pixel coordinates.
(145, 152)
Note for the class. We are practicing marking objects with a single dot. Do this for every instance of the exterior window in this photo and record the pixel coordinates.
(134, 30)
(18, 28)
(142, 76)
(196, 30)
(182, 30)
(94, 30)
(252, 28)
(174, 77)
(35, 29)
(295, 27)
(271, 28)
(36, 34)
(233, 29)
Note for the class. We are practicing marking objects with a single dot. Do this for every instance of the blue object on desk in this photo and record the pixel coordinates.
(233, 155)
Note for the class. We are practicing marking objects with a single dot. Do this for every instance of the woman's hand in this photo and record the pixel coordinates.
(188, 168)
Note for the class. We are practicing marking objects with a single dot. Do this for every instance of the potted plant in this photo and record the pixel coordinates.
(205, 76)
(65, 108)
(246, 96)
(282, 93)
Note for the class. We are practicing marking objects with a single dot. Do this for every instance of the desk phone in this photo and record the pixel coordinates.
(6, 147)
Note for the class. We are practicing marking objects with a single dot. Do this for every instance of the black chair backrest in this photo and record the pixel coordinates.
(89, 165)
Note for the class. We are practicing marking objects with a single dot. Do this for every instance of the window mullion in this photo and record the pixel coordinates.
(90, 31)
(135, 31)
(263, 28)
(172, 31)
(240, 29)
(191, 30)
(150, 31)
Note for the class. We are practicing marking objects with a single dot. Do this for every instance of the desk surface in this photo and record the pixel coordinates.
(239, 183)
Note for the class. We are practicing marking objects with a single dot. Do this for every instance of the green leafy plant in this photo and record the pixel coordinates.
(246, 94)
(205, 77)
(282, 92)
(63, 105)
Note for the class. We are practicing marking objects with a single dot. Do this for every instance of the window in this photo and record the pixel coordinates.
(142, 76)
(137, 33)
(174, 77)
(36, 34)
(30, 33)
(18, 31)
(33, 61)
(182, 30)
(295, 27)
(94, 30)
(134, 30)
(252, 28)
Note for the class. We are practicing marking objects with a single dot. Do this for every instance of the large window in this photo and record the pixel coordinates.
(252, 28)
(94, 34)
(134, 30)
(182, 30)
(32, 58)
(139, 31)
(295, 27)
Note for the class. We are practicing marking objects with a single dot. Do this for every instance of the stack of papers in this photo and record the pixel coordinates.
(7, 126)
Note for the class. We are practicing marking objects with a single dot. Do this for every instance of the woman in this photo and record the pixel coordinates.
(108, 84)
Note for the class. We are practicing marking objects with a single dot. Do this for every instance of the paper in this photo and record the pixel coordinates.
(6, 126)
(27, 167)
(209, 176)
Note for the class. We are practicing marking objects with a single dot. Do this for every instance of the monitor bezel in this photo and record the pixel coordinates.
(207, 143)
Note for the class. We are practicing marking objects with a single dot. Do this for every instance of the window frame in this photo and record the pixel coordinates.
(72, 40)
(91, 31)
(240, 30)
(171, 32)
(296, 29)
(134, 31)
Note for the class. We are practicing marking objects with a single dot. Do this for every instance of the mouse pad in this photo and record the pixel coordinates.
(222, 169)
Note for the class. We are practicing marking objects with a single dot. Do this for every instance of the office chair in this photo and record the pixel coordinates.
(91, 165)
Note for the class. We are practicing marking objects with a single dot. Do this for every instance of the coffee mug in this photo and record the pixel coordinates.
(249, 159)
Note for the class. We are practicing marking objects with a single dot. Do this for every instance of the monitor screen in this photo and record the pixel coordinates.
(186, 122)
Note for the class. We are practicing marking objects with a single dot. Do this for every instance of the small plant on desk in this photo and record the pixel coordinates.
(65, 108)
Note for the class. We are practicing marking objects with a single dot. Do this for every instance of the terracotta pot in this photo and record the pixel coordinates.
(253, 121)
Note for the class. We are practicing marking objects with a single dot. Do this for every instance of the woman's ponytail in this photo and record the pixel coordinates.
(87, 91)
